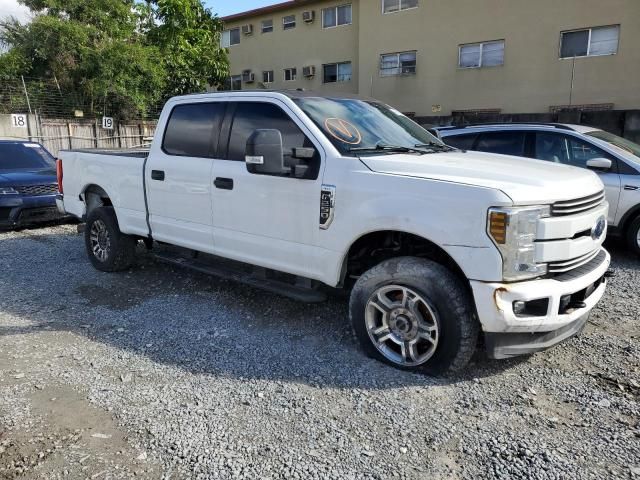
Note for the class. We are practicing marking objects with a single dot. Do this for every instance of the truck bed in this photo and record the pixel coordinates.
(119, 173)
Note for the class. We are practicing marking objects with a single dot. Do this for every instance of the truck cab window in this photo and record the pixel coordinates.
(250, 116)
(193, 130)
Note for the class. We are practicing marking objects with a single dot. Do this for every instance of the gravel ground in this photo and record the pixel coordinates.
(163, 373)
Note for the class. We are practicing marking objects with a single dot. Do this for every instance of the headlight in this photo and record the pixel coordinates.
(8, 191)
(514, 232)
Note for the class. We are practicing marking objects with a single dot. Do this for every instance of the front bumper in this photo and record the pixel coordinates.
(17, 210)
(494, 304)
(505, 345)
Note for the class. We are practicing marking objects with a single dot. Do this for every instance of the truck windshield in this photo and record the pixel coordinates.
(362, 127)
(619, 142)
(24, 156)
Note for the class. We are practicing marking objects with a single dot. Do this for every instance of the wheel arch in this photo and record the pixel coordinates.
(628, 217)
(375, 246)
(94, 196)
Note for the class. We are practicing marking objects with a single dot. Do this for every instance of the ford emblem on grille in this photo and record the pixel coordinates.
(599, 228)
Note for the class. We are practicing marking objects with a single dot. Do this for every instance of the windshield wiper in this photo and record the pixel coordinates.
(434, 145)
(381, 147)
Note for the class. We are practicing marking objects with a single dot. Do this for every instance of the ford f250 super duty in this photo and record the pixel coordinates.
(296, 191)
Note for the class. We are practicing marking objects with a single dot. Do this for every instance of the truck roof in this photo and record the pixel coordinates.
(292, 93)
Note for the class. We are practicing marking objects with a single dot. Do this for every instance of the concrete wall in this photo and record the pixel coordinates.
(532, 79)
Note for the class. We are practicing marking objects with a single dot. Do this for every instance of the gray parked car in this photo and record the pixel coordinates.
(614, 158)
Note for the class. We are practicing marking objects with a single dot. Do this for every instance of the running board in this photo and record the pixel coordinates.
(255, 277)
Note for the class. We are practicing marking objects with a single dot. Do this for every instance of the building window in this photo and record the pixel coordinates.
(477, 55)
(236, 82)
(267, 26)
(289, 22)
(267, 76)
(403, 63)
(290, 74)
(590, 42)
(335, 16)
(336, 72)
(392, 6)
(230, 37)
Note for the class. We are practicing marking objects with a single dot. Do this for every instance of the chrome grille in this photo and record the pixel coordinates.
(578, 205)
(566, 265)
(583, 269)
(35, 190)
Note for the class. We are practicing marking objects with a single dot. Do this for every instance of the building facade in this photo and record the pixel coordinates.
(438, 57)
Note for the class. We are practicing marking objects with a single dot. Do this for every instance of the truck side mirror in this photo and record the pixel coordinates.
(599, 163)
(264, 153)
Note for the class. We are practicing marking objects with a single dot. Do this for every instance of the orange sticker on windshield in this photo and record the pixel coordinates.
(342, 130)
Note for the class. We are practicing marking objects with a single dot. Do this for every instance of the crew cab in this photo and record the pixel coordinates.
(295, 192)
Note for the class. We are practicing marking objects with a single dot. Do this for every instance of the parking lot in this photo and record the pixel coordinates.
(165, 373)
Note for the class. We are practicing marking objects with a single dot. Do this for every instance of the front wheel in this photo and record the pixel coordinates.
(633, 235)
(108, 248)
(414, 314)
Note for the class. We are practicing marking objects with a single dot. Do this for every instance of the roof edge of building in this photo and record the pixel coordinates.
(276, 7)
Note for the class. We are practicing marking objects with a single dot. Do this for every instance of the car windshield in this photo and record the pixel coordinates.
(360, 127)
(622, 143)
(24, 156)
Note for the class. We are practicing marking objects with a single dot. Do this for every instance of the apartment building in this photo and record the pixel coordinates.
(438, 57)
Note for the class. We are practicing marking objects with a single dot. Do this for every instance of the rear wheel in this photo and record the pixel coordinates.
(108, 248)
(633, 235)
(414, 314)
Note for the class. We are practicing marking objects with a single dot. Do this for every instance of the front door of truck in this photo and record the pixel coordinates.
(267, 220)
(178, 173)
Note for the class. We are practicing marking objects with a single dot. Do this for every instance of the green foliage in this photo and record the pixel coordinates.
(122, 53)
(189, 36)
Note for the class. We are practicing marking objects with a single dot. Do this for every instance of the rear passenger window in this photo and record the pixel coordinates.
(463, 142)
(193, 130)
(504, 143)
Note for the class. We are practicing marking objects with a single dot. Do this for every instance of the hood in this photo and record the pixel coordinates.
(28, 177)
(525, 181)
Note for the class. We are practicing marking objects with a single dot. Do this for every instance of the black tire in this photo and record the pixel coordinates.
(633, 238)
(120, 249)
(458, 327)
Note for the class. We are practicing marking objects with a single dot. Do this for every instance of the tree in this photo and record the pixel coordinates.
(117, 53)
(189, 37)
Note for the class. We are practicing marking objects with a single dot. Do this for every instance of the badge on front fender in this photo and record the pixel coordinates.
(327, 205)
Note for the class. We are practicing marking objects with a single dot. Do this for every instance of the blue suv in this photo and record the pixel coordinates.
(615, 159)
(28, 184)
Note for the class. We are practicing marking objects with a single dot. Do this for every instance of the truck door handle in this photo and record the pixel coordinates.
(223, 183)
(157, 175)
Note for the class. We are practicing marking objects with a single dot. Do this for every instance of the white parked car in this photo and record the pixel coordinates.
(615, 159)
(300, 191)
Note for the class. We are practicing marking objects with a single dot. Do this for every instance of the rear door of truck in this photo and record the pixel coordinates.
(178, 174)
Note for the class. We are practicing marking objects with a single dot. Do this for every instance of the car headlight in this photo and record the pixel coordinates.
(514, 231)
(8, 191)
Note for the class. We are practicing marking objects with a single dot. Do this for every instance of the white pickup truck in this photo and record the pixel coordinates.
(295, 191)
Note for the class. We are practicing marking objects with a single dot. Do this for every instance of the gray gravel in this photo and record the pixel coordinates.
(184, 376)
